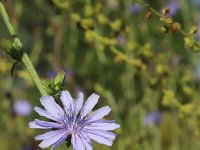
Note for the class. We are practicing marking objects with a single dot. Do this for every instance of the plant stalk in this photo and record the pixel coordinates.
(25, 59)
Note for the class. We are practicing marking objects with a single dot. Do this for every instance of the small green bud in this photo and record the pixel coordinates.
(90, 35)
(48, 86)
(102, 19)
(160, 69)
(165, 11)
(193, 30)
(76, 17)
(61, 4)
(187, 108)
(87, 23)
(7, 46)
(116, 25)
(88, 10)
(17, 44)
(169, 20)
(169, 98)
(12, 49)
(189, 42)
(60, 78)
(165, 29)
(54, 86)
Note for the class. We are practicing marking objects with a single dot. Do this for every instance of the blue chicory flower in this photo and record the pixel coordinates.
(152, 118)
(135, 8)
(74, 121)
(22, 107)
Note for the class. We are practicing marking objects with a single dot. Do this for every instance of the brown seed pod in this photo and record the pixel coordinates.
(175, 27)
(148, 14)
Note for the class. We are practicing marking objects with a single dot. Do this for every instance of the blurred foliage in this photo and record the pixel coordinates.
(105, 47)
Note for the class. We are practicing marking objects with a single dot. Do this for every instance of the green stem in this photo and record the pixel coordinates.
(148, 7)
(25, 59)
(31, 69)
(158, 14)
(6, 19)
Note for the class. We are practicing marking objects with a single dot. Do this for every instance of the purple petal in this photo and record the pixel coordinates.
(44, 113)
(33, 125)
(89, 104)
(86, 140)
(51, 106)
(100, 113)
(102, 137)
(73, 141)
(48, 124)
(46, 143)
(103, 125)
(60, 141)
(66, 100)
(79, 102)
(77, 143)
(49, 134)
(106, 134)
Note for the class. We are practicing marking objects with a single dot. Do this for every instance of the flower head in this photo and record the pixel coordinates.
(22, 107)
(152, 118)
(135, 8)
(74, 121)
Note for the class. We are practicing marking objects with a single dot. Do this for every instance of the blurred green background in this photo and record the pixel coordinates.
(150, 80)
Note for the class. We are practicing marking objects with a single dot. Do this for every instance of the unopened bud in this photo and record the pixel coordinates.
(11, 50)
(194, 29)
(169, 20)
(166, 11)
(60, 78)
(54, 86)
(165, 29)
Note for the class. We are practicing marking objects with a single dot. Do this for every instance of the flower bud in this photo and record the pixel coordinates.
(189, 42)
(12, 50)
(165, 29)
(193, 30)
(169, 20)
(60, 78)
(165, 11)
(54, 86)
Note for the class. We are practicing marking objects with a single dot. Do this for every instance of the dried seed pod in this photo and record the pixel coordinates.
(175, 27)
(148, 14)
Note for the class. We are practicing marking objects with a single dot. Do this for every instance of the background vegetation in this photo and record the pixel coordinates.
(148, 77)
